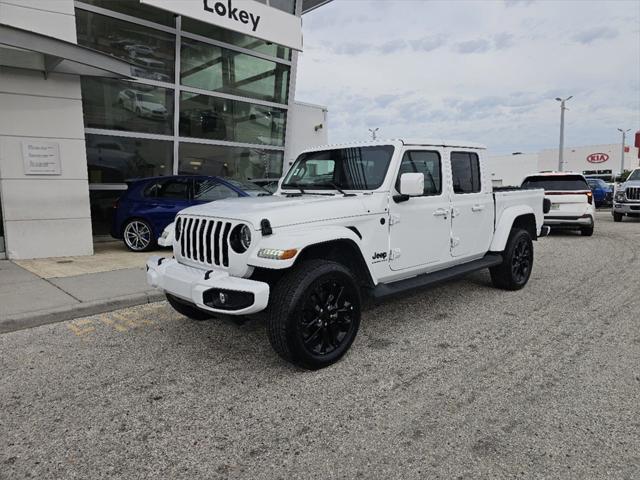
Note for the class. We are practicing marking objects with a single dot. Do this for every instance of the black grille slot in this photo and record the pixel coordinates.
(216, 244)
(225, 245)
(209, 241)
(201, 247)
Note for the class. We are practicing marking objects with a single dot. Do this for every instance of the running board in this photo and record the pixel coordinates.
(384, 291)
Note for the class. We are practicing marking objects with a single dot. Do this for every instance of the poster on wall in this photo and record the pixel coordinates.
(41, 158)
(244, 16)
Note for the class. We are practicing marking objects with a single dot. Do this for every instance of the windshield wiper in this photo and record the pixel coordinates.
(302, 191)
(335, 187)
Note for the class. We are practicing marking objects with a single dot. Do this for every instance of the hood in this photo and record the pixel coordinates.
(631, 183)
(282, 211)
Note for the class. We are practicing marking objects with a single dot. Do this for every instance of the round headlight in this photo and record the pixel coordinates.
(240, 238)
(245, 237)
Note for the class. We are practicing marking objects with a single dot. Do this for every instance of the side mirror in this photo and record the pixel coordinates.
(412, 184)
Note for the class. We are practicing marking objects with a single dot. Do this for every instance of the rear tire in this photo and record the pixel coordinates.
(617, 217)
(187, 310)
(514, 271)
(314, 314)
(586, 231)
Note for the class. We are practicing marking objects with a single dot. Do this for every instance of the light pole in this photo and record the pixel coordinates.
(624, 135)
(373, 131)
(562, 109)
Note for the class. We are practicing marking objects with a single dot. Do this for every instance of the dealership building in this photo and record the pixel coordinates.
(96, 92)
(597, 160)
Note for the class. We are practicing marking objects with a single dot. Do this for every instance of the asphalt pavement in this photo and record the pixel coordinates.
(461, 381)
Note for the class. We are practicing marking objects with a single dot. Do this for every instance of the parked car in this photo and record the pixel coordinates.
(144, 105)
(571, 200)
(375, 219)
(150, 204)
(602, 192)
(627, 197)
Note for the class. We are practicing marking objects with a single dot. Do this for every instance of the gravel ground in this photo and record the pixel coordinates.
(461, 381)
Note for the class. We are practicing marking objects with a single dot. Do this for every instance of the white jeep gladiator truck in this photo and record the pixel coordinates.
(626, 200)
(348, 222)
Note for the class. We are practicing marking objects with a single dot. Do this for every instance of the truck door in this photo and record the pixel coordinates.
(471, 206)
(420, 226)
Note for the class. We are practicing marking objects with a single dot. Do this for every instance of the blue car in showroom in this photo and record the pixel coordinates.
(150, 204)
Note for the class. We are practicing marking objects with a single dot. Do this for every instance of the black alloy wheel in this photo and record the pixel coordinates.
(327, 317)
(521, 260)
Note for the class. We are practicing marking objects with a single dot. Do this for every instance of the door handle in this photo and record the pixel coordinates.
(441, 212)
(477, 208)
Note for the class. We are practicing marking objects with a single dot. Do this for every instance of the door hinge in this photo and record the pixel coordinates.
(393, 219)
(455, 241)
(394, 254)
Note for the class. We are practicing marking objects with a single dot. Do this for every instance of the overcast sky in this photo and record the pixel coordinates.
(485, 71)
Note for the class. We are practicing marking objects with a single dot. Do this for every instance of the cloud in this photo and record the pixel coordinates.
(596, 33)
(502, 41)
(392, 46)
(351, 48)
(479, 45)
(427, 44)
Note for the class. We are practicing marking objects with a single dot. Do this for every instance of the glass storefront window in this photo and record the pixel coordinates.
(288, 6)
(113, 159)
(236, 162)
(152, 51)
(235, 38)
(130, 106)
(136, 9)
(214, 118)
(218, 69)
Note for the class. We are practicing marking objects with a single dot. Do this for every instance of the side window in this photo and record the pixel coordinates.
(428, 163)
(211, 190)
(177, 189)
(465, 170)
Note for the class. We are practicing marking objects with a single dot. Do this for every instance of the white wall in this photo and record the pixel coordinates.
(45, 216)
(510, 170)
(308, 128)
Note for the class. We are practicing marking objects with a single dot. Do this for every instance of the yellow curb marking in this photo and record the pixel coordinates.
(81, 327)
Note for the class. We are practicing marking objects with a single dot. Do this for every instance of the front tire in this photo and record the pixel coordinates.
(514, 271)
(187, 310)
(617, 217)
(314, 314)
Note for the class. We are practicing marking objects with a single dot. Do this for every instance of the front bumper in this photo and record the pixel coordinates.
(633, 208)
(567, 221)
(191, 284)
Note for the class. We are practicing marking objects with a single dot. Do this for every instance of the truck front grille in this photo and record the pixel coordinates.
(633, 193)
(204, 240)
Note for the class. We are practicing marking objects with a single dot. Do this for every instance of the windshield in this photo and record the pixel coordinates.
(143, 97)
(556, 183)
(635, 175)
(249, 188)
(358, 168)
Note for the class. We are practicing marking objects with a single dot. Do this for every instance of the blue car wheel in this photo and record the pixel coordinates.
(138, 235)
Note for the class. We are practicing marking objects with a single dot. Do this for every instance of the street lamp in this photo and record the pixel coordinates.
(373, 131)
(562, 109)
(624, 134)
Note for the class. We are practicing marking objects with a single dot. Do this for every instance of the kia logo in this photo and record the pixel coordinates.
(597, 158)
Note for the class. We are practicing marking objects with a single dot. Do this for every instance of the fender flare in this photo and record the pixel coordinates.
(300, 240)
(503, 228)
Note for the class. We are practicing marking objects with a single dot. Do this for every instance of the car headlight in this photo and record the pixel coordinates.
(620, 196)
(240, 238)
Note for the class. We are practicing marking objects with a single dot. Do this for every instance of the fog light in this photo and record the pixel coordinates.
(227, 299)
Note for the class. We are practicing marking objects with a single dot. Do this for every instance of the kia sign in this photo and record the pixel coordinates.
(244, 16)
(597, 158)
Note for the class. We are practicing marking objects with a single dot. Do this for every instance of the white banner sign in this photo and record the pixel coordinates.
(41, 158)
(244, 16)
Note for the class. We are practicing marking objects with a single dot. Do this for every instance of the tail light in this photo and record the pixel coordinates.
(116, 204)
(590, 197)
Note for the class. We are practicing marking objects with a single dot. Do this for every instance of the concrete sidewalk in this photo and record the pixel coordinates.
(43, 294)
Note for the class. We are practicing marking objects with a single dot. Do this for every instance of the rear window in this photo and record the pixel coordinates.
(557, 183)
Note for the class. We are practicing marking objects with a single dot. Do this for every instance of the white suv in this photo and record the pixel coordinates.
(571, 200)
